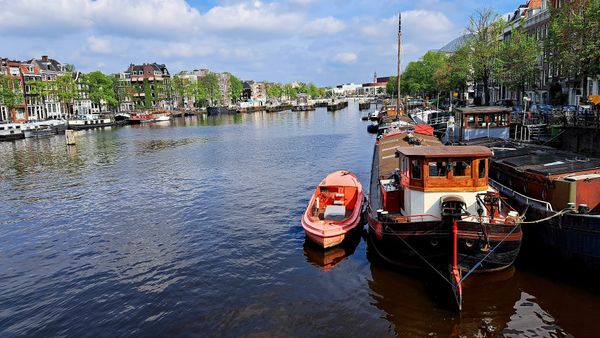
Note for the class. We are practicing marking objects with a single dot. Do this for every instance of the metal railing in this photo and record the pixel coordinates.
(504, 190)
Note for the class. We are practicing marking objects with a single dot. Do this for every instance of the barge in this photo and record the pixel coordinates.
(431, 206)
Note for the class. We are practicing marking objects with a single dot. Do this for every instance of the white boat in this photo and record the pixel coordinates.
(11, 131)
(36, 129)
(88, 122)
(162, 118)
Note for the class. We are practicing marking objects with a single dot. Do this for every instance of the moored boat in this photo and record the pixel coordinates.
(430, 206)
(37, 130)
(334, 209)
(137, 118)
(11, 131)
(559, 194)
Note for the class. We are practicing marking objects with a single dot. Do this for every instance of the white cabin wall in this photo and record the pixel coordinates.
(419, 202)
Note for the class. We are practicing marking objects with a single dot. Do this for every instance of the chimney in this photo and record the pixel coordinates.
(44, 58)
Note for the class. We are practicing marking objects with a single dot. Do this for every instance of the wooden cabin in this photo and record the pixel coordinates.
(430, 175)
(481, 122)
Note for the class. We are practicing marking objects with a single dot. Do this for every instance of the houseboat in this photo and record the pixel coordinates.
(430, 206)
(36, 129)
(478, 122)
(89, 121)
(11, 131)
(559, 193)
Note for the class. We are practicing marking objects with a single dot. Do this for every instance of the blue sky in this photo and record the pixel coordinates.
(324, 42)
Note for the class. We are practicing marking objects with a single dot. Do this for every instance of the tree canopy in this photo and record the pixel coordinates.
(11, 94)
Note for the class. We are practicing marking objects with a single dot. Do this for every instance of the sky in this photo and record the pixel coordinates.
(324, 42)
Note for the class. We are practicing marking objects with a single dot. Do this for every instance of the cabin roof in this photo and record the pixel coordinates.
(445, 151)
(484, 110)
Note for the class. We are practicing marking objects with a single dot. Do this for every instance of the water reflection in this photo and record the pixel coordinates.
(328, 258)
(150, 146)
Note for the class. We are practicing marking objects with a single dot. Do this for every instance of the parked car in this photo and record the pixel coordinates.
(543, 109)
(504, 103)
(569, 109)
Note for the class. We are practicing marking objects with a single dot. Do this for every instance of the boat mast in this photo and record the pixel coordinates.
(398, 76)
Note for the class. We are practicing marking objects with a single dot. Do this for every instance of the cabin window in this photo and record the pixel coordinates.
(438, 169)
(482, 168)
(492, 120)
(503, 120)
(481, 121)
(461, 168)
(415, 169)
(470, 120)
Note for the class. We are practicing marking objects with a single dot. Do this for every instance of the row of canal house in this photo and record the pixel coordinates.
(549, 87)
(34, 107)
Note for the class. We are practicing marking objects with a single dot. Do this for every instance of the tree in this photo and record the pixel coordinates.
(573, 43)
(210, 85)
(235, 88)
(42, 89)
(391, 88)
(66, 90)
(147, 94)
(518, 60)
(485, 28)
(101, 88)
(11, 95)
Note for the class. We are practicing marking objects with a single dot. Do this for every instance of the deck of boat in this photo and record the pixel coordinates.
(386, 154)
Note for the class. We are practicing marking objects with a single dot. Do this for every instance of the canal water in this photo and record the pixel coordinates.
(192, 228)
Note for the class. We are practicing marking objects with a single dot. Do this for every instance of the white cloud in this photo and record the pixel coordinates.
(327, 25)
(98, 45)
(346, 57)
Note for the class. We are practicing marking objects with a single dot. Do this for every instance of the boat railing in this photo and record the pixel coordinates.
(521, 198)
(410, 218)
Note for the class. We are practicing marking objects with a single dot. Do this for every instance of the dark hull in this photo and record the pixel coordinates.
(12, 137)
(570, 236)
(364, 106)
(213, 111)
(403, 244)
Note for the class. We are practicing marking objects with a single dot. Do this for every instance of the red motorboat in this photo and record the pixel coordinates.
(334, 209)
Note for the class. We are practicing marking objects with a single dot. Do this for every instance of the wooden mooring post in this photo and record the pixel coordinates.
(70, 137)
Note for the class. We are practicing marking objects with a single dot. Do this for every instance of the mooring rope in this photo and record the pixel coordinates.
(423, 258)
(478, 264)
(560, 213)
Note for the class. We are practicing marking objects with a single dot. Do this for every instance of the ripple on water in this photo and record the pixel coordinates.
(194, 228)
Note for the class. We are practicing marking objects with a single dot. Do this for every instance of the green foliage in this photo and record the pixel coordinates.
(206, 90)
(275, 90)
(101, 88)
(65, 88)
(485, 28)
(391, 88)
(147, 95)
(518, 60)
(11, 94)
(418, 77)
(573, 43)
(235, 88)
